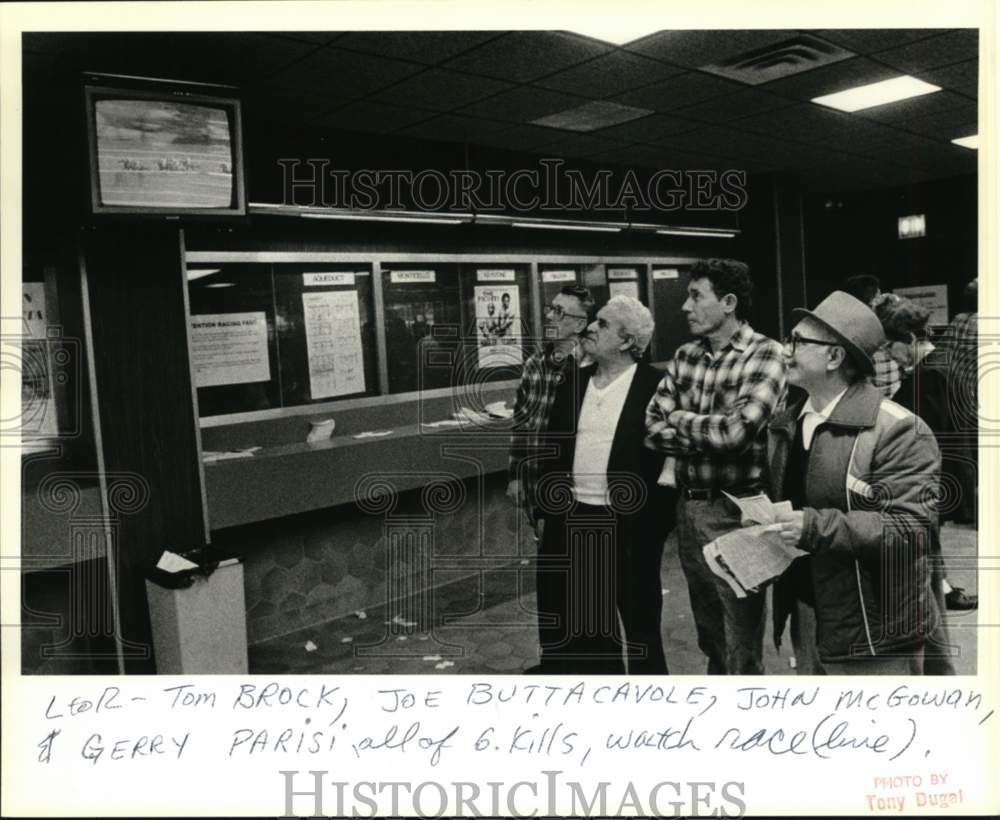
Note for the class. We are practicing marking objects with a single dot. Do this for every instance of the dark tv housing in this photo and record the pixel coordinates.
(164, 148)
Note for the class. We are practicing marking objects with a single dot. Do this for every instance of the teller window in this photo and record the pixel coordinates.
(423, 325)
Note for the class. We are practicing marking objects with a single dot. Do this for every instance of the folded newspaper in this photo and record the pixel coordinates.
(751, 556)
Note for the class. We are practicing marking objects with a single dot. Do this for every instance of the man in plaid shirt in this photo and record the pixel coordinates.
(565, 319)
(888, 374)
(710, 415)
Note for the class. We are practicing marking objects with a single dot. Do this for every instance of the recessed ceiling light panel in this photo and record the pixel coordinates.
(873, 94)
(968, 142)
(592, 116)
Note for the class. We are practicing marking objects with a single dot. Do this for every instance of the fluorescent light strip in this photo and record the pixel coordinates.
(971, 141)
(681, 232)
(873, 94)
(427, 220)
(556, 227)
(200, 274)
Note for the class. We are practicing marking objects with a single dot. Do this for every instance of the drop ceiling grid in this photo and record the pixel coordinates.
(439, 86)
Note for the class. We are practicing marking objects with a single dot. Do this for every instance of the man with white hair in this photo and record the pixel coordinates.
(604, 525)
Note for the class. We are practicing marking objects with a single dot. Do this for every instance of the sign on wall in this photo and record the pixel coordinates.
(497, 327)
(229, 348)
(932, 297)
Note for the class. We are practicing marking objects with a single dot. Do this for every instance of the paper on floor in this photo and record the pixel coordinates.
(172, 562)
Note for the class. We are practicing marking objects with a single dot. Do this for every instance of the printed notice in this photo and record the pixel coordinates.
(333, 342)
(325, 279)
(665, 273)
(498, 329)
(624, 288)
(412, 277)
(493, 275)
(38, 408)
(229, 348)
(622, 273)
(933, 298)
(558, 276)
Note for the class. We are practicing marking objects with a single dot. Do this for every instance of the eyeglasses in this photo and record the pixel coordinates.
(559, 312)
(794, 340)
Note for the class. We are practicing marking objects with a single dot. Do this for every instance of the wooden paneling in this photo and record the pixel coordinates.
(146, 427)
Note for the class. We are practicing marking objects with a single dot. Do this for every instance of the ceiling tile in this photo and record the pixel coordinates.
(735, 106)
(806, 122)
(852, 134)
(592, 116)
(698, 48)
(522, 137)
(441, 90)
(318, 37)
(941, 50)
(342, 73)
(868, 40)
(830, 79)
(522, 105)
(456, 128)
(645, 156)
(947, 125)
(896, 141)
(660, 157)
(581, 145)
(648, 129)
(366, 115)
(923, 106)
(428, 47)
(959, 75)
(928, 153)
(210, 57)
(287, 105)
(523, 56)
(611, 74)
(679, 91)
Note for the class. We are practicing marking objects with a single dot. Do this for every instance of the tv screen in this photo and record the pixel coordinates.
(164, 152)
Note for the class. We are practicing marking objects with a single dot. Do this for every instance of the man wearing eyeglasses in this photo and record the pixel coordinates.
(861, 473)
(565, 319)
(709, 416)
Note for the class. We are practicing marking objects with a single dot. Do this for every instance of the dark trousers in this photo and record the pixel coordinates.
(730, 629)
(938, 650)
(594, 568)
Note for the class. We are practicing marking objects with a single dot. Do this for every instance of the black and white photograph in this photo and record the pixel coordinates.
(376, 373)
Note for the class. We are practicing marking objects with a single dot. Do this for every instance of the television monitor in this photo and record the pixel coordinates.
(163, 148)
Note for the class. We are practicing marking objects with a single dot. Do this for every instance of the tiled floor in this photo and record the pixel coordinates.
(486, 626)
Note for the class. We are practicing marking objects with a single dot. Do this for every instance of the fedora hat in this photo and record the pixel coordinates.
(852, 323)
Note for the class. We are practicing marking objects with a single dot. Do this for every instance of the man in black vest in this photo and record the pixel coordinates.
(604, 522)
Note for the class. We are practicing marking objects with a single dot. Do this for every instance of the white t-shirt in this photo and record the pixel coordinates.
(595, 433)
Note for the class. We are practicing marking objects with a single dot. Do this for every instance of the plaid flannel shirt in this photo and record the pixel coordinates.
(961, 340)
(710, 414)
(888, 374)
(543, 372)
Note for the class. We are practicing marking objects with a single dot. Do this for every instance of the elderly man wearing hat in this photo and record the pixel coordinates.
(861, 473)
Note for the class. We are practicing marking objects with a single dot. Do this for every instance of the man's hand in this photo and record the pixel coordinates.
(515, 492)
(676, 436)
(539, 529)
(789, 527)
